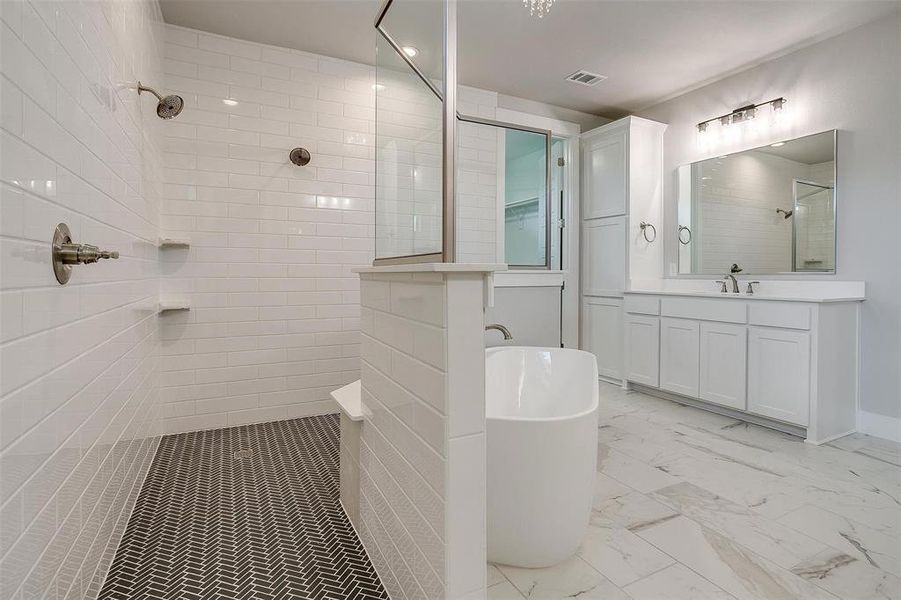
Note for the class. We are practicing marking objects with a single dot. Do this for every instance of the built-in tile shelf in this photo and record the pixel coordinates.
(168, 242)
(173, 304)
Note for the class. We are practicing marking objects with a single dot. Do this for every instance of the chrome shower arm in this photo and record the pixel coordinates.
(144, 88)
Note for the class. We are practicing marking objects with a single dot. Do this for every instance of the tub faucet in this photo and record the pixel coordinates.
(500, 328)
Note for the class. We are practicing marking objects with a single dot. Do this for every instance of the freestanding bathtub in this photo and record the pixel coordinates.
(542, 420)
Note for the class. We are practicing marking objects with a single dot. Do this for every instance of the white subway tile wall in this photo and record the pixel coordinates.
(402, 452)
(422, 459)
(274, 319)
(79, 417)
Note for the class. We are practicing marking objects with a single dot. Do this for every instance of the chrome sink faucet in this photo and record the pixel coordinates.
(731, 276)
(501, 328)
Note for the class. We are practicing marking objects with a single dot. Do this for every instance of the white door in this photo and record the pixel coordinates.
(779, 374)
(604, 256)
(642, 349)
(602, 334)
(679, 356)
(723, 364)
(604, 163)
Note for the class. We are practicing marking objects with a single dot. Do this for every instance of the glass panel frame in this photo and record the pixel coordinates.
(449, 113)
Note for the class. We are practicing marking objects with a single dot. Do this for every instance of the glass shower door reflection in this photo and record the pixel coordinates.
(813, 227)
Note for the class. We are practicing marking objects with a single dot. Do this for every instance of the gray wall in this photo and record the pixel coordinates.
(532, 314)
(852, 83)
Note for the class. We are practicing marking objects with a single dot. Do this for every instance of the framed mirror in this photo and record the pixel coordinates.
(771, 209)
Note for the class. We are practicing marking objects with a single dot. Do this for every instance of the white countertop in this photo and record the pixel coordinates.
(755, 296)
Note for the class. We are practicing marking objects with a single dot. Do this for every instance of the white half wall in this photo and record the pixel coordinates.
(422, 454)
(851, 83)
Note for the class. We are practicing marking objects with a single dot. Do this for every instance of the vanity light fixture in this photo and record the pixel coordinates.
(742, 113)
(410, 51)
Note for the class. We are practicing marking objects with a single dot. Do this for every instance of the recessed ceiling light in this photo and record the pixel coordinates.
(410, 51)
(777, 144)
(229, 102)
(378, 87)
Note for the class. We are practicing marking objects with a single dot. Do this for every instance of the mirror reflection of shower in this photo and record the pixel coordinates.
(813, 226)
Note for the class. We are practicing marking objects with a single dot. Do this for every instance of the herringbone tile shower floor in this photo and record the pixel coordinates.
(245, 512)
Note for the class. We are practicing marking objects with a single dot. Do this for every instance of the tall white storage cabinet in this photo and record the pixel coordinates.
(622, 170)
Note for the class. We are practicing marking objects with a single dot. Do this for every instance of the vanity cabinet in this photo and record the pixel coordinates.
(722, 358)
(679, 356)
(642, 345)
(779, 374)
(602, 334)
(774, 362)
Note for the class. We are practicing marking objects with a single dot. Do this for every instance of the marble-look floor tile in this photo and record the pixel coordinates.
(573, 578)
(785, 547)
(631, 511)
(634, 473)
(676, 582)
(848, 577)
(494, 575)
(728, 565)
(504, 591)
(620, 555)
(855, 539)
(606, 487)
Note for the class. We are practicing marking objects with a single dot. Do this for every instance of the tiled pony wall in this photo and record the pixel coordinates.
(79, 420)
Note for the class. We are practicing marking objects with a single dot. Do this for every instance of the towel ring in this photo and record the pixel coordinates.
(644, 231)
(682, 240)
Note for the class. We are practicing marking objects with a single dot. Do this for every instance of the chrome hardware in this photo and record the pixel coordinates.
(731, 277)
(300, 157)
(750, 290)
(723, 289)
(501, 328)
(682, 240)
(644, 231)
(66, 254)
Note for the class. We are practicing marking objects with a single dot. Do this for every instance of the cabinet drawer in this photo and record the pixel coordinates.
(790, 315)
(643, 305)
(704, 309)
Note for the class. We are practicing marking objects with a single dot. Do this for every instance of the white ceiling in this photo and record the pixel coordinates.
(649, 50)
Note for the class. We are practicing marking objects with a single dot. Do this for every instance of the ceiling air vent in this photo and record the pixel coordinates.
(583, 77)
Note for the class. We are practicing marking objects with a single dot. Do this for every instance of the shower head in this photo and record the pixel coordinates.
(167, 107)
(785, 213)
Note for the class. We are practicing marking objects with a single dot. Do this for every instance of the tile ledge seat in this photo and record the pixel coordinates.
(348, 399)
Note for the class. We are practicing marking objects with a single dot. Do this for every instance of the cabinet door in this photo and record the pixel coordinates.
(605, 175)
(779, 374)
(602, 334)
(723, 364)
(679, 356)
(643, 349)
(604, 256)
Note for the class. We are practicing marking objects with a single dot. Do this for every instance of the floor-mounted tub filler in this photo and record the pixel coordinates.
(542, 430)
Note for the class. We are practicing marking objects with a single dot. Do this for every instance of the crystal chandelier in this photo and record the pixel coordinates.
(538, 8)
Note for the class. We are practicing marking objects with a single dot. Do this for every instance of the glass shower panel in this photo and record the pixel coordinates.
(814, 227)
(525, 198)
(408, 153)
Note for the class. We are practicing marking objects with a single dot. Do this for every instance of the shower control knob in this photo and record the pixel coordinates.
(66, 253)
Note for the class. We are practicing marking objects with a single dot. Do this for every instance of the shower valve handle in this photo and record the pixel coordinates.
(77, 254)
(66, 253)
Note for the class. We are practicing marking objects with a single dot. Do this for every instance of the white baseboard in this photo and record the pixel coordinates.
(880, 426)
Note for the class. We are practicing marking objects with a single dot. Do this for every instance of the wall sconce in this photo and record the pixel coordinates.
(741, 114)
